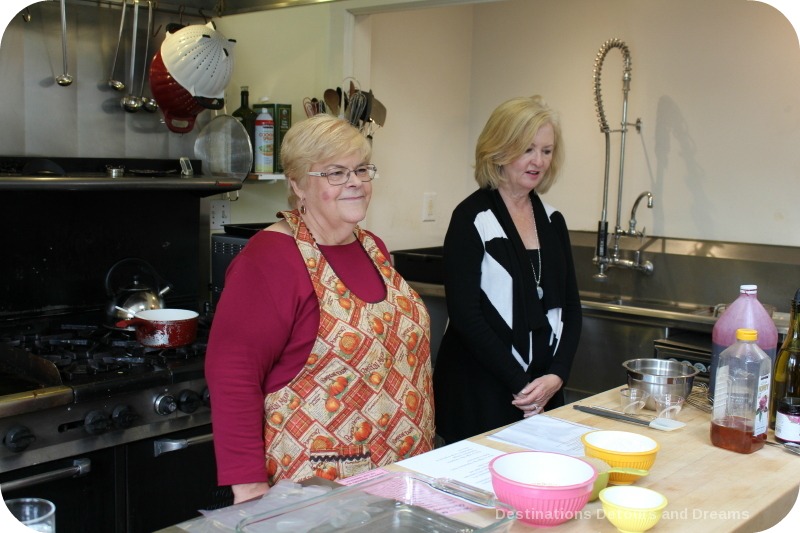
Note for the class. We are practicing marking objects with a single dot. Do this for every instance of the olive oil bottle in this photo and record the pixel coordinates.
(246, 115)
(786, 377)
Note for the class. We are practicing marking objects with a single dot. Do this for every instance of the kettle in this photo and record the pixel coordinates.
(137, 294)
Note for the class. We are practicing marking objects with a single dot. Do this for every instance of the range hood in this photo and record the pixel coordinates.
(212, 8)
(231, 7)
(25, 173)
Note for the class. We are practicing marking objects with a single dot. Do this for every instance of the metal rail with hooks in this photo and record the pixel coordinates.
(602, 257)
(205, 9)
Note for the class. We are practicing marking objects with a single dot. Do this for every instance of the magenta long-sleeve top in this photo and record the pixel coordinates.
(264, 328)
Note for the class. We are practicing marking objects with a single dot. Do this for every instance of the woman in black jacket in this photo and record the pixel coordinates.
(512, 296)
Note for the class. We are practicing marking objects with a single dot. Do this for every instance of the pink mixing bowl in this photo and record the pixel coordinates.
(545, 488)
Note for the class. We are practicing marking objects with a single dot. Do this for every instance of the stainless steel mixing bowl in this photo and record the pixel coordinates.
(660, 376)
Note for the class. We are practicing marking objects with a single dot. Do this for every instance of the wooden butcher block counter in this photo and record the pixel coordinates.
(708, 488)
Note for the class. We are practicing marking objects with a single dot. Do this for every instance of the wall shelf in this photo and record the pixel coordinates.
(266, 178)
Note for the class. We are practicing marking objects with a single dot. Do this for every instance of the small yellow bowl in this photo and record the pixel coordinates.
(623, 449)
(632, 509)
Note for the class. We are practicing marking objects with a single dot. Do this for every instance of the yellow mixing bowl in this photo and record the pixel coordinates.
(621, 449)
(632, 509)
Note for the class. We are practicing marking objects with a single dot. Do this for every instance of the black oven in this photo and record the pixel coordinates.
(170, 478)
(82, 487)
(136, 488)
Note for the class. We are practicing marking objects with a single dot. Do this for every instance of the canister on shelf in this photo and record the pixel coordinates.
(265, 139)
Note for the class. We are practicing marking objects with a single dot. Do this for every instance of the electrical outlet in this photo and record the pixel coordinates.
(427, 207)
(220, 213)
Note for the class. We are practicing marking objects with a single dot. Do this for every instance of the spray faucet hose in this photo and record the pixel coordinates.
(598, 68)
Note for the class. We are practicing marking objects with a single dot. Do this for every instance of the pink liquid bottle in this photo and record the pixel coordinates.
(745, 312)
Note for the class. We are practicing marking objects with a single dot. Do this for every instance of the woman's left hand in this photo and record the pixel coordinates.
(535, 395)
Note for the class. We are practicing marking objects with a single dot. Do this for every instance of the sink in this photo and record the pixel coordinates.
(670, 310)
(657, 305)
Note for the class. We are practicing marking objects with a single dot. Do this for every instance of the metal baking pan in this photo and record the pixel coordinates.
(401, 501)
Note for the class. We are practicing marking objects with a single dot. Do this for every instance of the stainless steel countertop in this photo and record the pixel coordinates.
(680, 312)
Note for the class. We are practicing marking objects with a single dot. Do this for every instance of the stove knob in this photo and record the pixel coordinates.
(165, 405)
(123, 416)
(18, 438)
(96, 422)
(206, 397)
(189, 401)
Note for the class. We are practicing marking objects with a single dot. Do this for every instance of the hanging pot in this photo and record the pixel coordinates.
(200, 59)
(163, 328)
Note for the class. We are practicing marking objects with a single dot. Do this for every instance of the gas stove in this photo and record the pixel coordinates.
(78, 388)
(89, 418)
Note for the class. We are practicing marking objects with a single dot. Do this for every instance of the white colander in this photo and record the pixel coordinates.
(200, 59)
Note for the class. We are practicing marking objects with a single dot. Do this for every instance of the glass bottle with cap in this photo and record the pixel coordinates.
(246, 115)
(786, 379)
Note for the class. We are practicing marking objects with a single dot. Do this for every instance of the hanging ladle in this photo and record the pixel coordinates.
(129, 102)
(64, 79)
(116, 84)
(149, 104)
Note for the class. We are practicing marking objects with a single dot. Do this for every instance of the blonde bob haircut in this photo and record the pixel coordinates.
(319, 139)
(508, 133)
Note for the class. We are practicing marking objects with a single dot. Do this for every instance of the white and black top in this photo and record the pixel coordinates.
(500, 335)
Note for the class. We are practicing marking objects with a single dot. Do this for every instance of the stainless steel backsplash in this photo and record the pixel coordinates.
(694, 271)
(84, 119)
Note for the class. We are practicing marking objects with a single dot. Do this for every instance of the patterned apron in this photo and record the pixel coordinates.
(364, 398)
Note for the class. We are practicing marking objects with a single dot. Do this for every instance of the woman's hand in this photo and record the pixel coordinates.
(535, 395)
(248, 491)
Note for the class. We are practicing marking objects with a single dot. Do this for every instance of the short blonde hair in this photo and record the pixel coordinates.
(508, 133)
(315, 140)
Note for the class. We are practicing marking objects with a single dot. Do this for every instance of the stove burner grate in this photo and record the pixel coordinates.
(85, 354)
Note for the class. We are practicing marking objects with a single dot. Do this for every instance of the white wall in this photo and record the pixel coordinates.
(422, 75)
(284, 55)
(715, 83)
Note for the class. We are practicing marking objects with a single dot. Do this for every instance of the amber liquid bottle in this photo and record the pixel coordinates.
(786, 376)
(740, 416)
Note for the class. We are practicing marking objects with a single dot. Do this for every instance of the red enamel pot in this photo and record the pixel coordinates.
(163, 328)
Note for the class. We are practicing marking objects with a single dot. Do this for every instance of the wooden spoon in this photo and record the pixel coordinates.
(331, 100)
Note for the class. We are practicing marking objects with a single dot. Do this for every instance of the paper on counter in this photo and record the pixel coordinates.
(545, 434)
(463, 461)
(363, 476)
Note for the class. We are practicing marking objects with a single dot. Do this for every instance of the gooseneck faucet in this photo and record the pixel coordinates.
(602, 257)
(632, 224)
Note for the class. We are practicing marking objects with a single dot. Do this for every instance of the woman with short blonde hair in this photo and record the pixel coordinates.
(318, 360)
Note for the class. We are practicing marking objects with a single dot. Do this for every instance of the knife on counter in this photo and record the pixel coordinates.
(662, 424)
(791, 447)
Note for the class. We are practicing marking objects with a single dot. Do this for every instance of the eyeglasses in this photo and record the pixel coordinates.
(341, 175)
